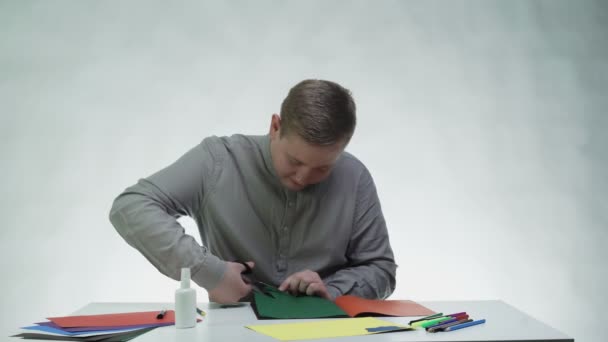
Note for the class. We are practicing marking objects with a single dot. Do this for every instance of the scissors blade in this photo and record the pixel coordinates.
(262, 287)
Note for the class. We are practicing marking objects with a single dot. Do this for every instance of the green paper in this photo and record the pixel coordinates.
(282, 305)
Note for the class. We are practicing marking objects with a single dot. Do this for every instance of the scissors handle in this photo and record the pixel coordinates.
(248, 269)
(255, 284)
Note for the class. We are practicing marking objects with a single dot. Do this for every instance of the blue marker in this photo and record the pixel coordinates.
(464, 325)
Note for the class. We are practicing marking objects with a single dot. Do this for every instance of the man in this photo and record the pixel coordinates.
(301, 212)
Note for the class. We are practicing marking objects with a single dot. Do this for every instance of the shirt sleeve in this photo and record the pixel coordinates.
(370, 272)
(145, 215)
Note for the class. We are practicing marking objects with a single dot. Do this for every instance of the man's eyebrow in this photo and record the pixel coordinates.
(294, 158)
(300, 162)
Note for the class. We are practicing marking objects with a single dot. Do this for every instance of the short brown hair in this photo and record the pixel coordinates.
(320, 112)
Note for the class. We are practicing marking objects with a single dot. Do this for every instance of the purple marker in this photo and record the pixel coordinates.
(457, 314)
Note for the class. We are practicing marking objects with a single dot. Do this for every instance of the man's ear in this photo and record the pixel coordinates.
(275, 126)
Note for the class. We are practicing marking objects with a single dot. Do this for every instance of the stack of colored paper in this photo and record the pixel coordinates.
(99, 328)
(275, 304)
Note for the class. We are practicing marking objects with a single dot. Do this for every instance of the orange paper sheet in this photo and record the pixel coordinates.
(110, 320)
(356, 306)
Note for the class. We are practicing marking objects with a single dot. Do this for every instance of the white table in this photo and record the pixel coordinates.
(504, 323)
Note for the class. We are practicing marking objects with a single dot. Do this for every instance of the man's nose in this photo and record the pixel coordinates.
(302, 176)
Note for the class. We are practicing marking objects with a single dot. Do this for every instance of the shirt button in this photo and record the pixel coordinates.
(285, 228)
(290, 204)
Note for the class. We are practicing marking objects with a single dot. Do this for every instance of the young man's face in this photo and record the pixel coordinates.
(298, 163)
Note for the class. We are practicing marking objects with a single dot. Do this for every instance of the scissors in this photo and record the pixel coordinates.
(257, 285)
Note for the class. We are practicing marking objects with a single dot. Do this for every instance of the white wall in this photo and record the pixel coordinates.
(483, 122)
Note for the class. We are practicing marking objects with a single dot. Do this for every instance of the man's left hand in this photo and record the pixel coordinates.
(305, 282)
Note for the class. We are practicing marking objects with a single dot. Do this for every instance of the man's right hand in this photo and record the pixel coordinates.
(232, 287)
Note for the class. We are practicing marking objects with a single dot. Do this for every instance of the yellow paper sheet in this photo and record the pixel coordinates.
(322, 329)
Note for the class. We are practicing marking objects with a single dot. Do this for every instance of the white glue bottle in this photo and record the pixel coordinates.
(185, 303)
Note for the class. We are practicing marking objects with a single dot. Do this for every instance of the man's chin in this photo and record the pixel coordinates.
(291, 185)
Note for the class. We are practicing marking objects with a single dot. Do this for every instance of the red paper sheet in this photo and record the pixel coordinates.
(356, 306)
(118, 319)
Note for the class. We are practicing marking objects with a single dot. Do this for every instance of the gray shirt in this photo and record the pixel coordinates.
(229, 187)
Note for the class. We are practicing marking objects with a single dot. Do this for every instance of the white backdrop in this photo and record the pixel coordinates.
(483, 123)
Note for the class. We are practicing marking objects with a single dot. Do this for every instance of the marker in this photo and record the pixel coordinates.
(457, 314)
(449, 320)
(465, 325)
(452, 319)
(161, 314)
(461, 316)
(428, 323)
(442, 327)
(231, 305)
(426, 318)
